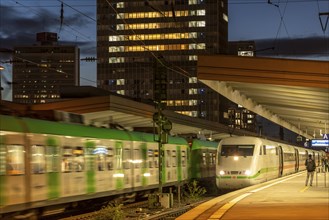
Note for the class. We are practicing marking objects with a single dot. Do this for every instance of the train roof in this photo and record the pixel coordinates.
(29, 125)
(198, 144)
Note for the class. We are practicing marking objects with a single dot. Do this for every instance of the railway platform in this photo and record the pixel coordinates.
(286, 198)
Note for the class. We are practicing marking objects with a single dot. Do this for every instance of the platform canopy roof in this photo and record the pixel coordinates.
(291, 93)
(122, 113)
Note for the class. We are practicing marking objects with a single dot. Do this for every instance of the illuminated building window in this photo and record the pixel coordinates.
(116, 60)
(113, 38)
(225, 17)
(193, 35)
(246, 53)
(121, 92)
(121, 82)
(201, 12)
(193, 80)
(193, 91)
(193, 57)
(193, 102)
(120, 5)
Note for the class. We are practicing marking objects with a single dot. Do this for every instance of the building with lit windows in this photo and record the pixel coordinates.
(242, 48)
(133, 34)
(39, 71)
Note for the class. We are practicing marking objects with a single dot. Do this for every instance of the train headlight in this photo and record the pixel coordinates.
(235, 158)
(221, 172)
(247, 172)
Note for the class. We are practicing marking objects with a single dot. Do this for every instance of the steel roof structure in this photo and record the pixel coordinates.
(288, 92)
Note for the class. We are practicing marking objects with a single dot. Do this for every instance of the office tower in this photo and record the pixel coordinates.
(137, 39)
(39, 71)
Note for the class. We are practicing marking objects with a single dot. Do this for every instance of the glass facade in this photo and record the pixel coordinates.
(133, 34)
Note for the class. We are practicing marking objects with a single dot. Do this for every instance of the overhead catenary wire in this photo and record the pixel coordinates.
(62, 23)
(282, 23)
(57, 20)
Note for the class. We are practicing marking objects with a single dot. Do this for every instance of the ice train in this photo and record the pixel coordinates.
(244, 161)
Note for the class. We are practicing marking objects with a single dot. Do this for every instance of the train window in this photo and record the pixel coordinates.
(15, 160)
(260, 151)
(67, 151)
(237, 150)
(183, 158)
(118, 156)
(245, 150)
(52, 158)
(66, 164)
(67, 159)
(109, 159)
(174, 158)
(168, 157)
(78, 159)
(204, 158)
(100, 162)
(101, 153)
(126, 158)
(2, 159)
(137, 158)
(156, 158)
(150, 155)
(264, 149)
(289, 157)
(89, 157)
(38, 159)
(212, 158)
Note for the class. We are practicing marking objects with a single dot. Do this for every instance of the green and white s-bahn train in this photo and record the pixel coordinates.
(47, 164)
(245, 161)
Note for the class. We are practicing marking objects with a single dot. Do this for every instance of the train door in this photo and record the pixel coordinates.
(73, 175)
(280, 154)
(137, 164)
(296, 160)
(12, 172)
(39, 186)
(104, 157)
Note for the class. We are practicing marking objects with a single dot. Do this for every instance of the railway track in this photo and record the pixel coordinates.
(140, 210)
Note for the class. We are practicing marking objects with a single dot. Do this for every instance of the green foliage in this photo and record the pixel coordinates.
(112, 211)
(193, 191)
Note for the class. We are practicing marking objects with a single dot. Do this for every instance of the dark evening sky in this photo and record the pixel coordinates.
(293, 27)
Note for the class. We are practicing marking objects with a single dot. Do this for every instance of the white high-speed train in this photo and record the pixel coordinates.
(245, 161)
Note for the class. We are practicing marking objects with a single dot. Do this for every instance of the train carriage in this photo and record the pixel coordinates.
(244, 161)
(46, 163)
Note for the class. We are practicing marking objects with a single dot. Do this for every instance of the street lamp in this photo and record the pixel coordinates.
(1, 68)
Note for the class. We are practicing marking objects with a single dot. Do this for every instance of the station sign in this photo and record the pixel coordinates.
(320, 143)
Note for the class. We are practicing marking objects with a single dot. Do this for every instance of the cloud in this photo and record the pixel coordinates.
(19, 29)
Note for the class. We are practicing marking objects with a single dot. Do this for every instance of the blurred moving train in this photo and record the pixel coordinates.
(245, 161)
(47, 165)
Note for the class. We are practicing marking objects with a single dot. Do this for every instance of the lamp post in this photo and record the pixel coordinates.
(1, 68)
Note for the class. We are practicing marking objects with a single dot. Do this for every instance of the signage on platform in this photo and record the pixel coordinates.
(320, 143)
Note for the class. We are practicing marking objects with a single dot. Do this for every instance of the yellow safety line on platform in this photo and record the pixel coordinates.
(220, 212)
(304, 189)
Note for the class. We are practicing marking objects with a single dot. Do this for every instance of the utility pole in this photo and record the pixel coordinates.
(160, 96)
